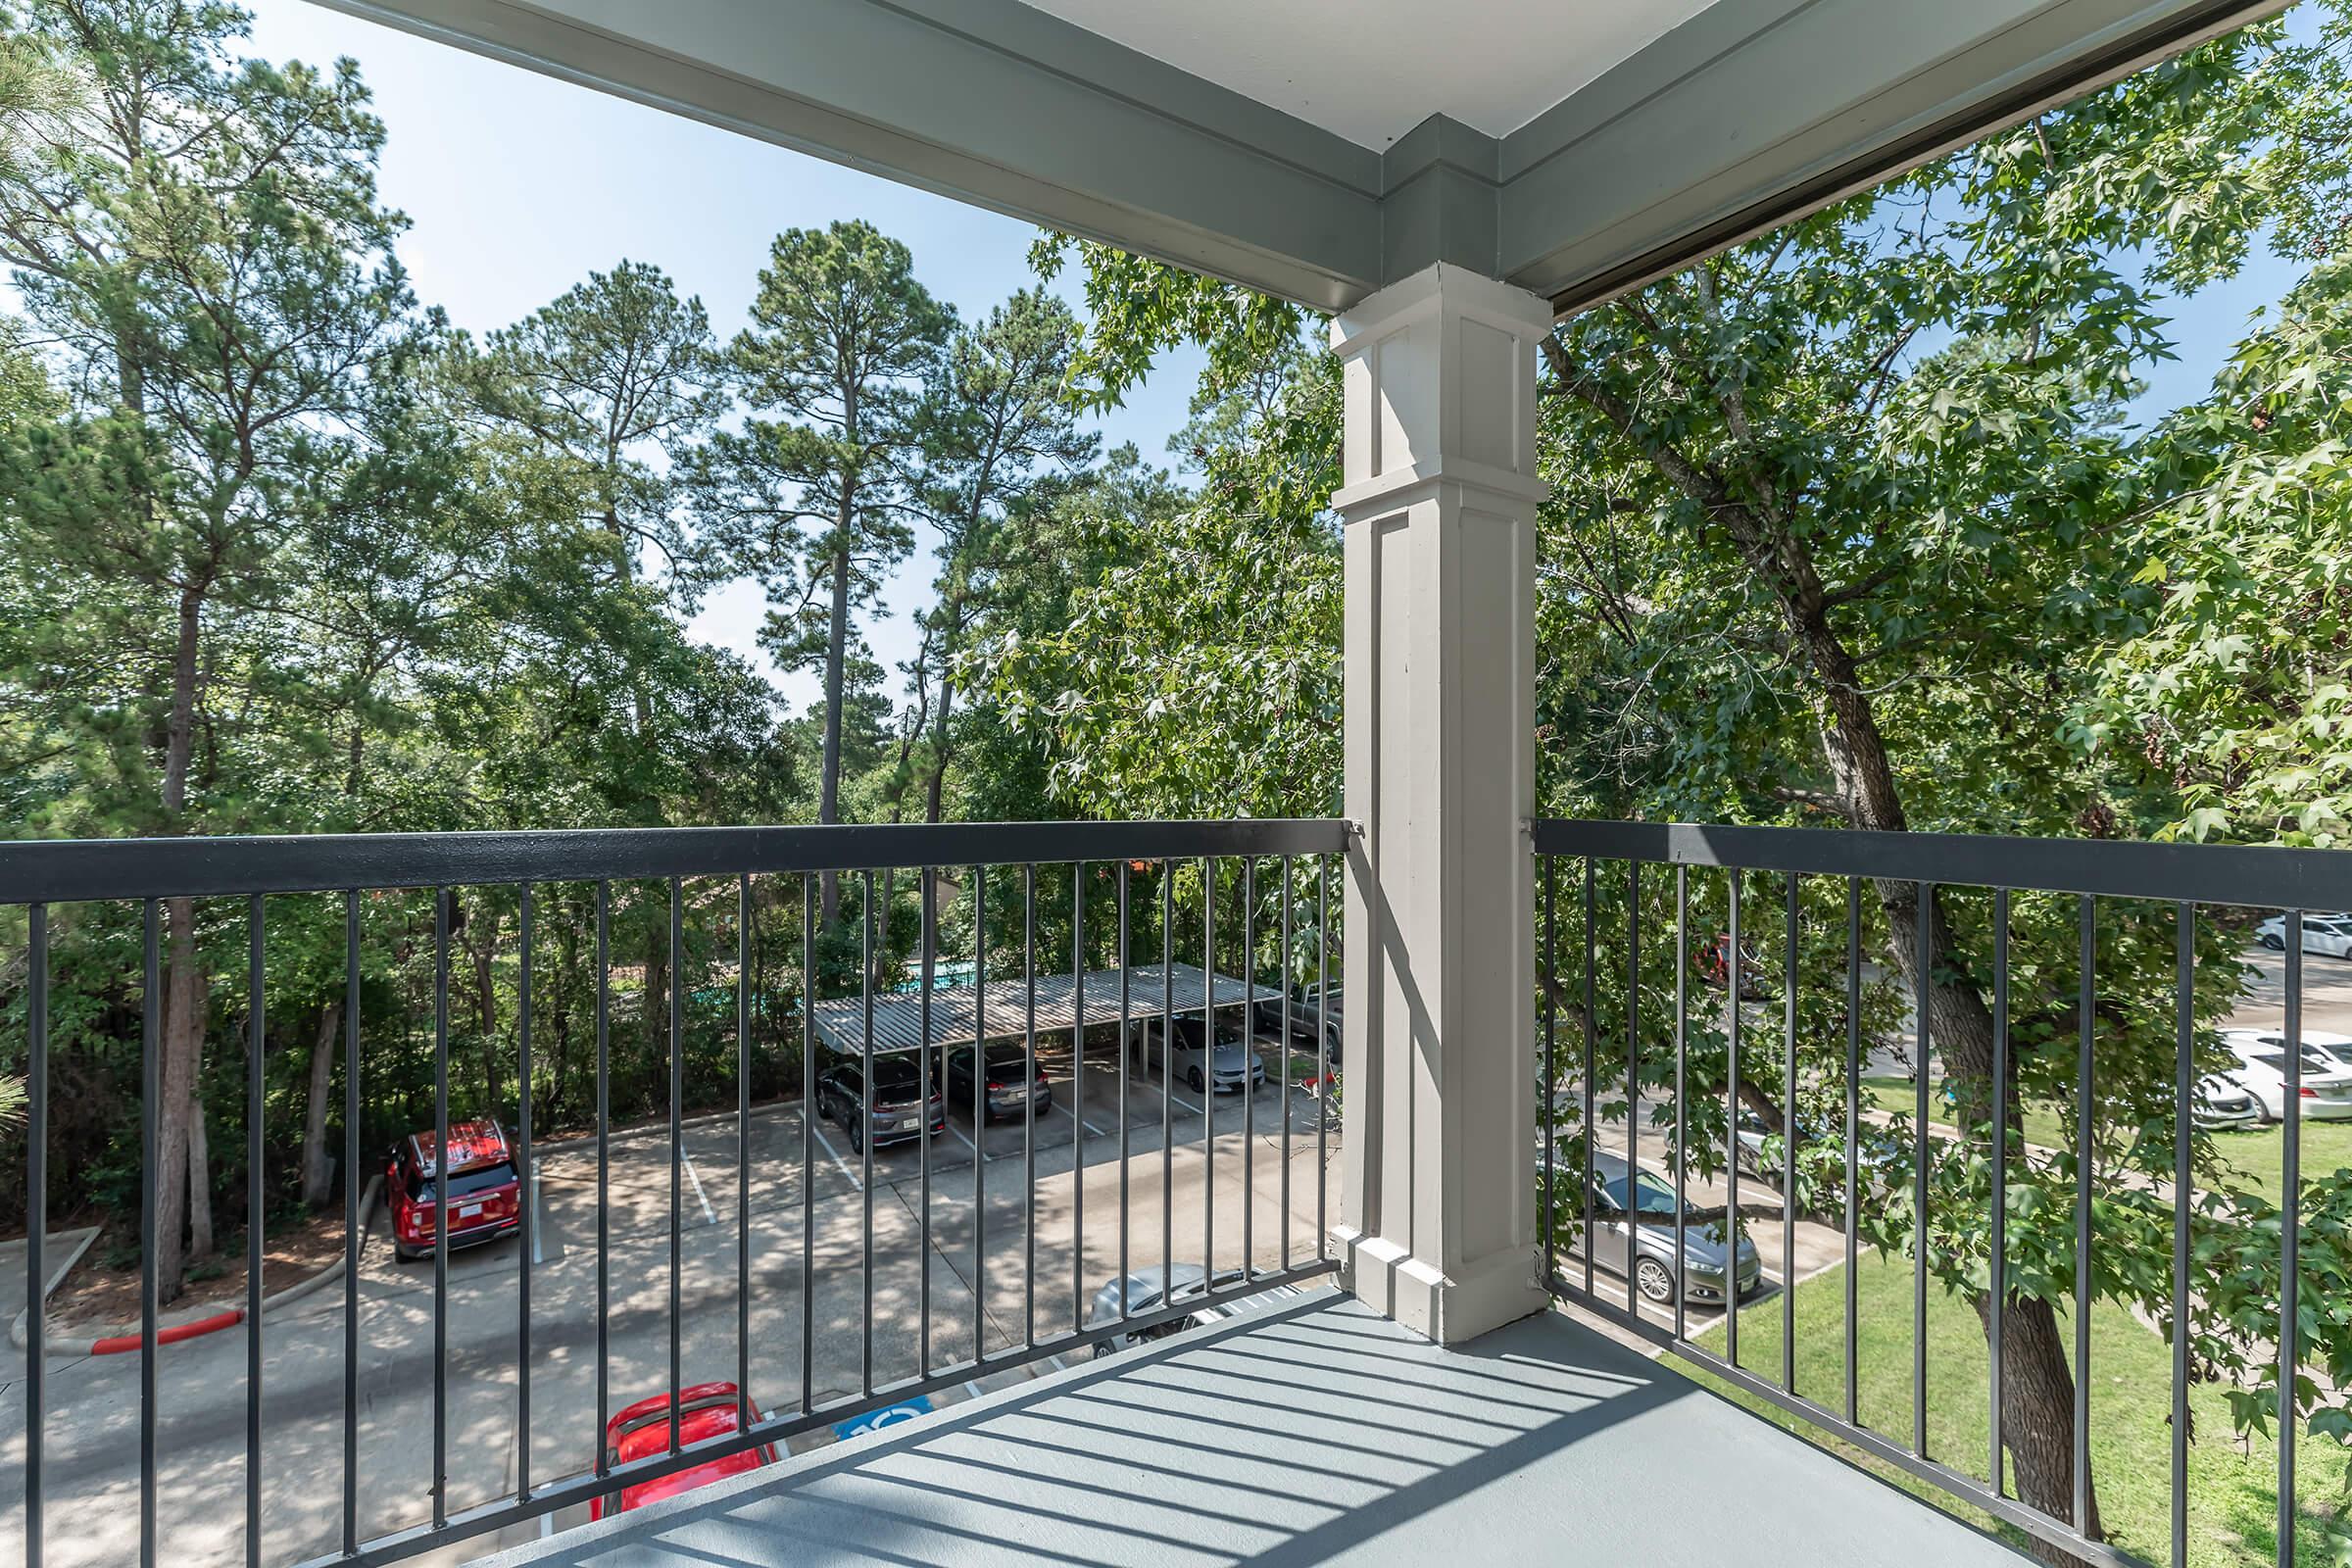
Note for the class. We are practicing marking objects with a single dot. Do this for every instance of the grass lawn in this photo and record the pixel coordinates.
(2255, 1154)
(2232, 1488)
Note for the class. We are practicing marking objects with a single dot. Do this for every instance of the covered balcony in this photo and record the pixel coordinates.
(1436, 1283)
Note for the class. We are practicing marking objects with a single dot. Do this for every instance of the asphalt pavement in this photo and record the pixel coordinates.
(980, 1288)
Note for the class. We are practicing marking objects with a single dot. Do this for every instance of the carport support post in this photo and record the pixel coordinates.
(1438, 1214)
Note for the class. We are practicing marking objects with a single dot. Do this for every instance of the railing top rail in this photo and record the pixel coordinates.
(2201, 873)
(58, 871)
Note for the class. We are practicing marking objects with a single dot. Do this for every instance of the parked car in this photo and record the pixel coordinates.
(1876, 1148)
(1147, 1291)
(1237, 1061)
(705, 1411)
(2222, 1105)
(2338, 1049)
(1646, 1249)
(484, 1188)
(891, 1113)
(2331, 934)
(1714, 962)
(1309, 1013)
(1008, 1067)
(2261, 1071)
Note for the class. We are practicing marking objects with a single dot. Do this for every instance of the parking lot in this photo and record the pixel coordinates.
(1180, 1193)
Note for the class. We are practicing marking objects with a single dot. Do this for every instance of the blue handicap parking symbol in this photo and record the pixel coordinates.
(890, 1415)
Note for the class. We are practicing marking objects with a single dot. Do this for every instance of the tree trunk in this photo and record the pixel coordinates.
(2035, 1380)
(828, 808)
(180, 1189)
(2037, 1405)
(317, 1170)
(200, 1189)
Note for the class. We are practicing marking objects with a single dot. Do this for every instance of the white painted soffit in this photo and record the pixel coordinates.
(1372, 69)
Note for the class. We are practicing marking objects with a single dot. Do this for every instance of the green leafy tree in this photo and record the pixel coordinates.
(814, 496)
(200, 240)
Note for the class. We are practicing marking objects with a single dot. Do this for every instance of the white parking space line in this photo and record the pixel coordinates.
(975, 1147)
(1180, 1100)
(1080, 1121)
(537, 1259)
(835, 1154)
(700, 1196)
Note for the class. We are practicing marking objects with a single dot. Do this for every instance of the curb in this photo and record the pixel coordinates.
(20, 1332)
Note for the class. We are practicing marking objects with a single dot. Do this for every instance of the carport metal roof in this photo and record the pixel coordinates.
(959, 1013)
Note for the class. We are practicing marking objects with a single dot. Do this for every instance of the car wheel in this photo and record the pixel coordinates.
(1102, 1348)
(856, 1139)
(1194, 1079)
(404, 1254)
(1655, 1281)
(2275, 944)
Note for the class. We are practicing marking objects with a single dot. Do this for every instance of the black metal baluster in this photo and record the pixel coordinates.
(1633, 1076)
(1731, 1135)
(351, 1222)
(2183, 1088)
(1029, 1116)
(1552, 1071)
(677, 1138)
(528, 1195)
(1998, 1270)
(1124, 1025)
(980, 1111)
(1287, 970)
(151, 1018)
(1078, 1097)
(865, 1135)
(743, 1151)
(254, 1203)
(922, 1089)
(2086, 912)
(1323, 1016)
(1167, 1015)
(2290, 1223)
(36, 1216)
(1248, 1065)
(1209, 1095)
(604, 1167)
(1921, 991)
(1682, 1122)
(1853, 1134)
(1590, 1027)
(807, 1143)
(440, 1487)
(1789, 1137)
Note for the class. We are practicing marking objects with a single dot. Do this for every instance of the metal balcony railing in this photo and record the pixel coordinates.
(1634, 1014)
(1094, 980)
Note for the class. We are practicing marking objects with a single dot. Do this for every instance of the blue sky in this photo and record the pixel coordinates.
(517, 185)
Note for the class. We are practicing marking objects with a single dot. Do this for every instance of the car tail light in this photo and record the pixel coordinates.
(2310, 1093)
(994, 1088)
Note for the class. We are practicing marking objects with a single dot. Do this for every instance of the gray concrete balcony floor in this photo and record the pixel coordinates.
(1311, 1432)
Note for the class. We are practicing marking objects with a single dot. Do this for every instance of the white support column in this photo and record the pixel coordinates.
(1438, 1219)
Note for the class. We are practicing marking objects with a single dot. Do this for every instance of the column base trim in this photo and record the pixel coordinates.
(1498, 1289)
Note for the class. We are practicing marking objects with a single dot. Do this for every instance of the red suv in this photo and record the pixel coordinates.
(705, 1411)
(486, 1190)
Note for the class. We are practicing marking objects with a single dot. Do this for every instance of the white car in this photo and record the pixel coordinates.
(2221, 1106)
(2262, 1073)
(2329, 933)
(2338, 1049)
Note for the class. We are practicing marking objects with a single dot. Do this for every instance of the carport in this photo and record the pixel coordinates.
(1000, 1010)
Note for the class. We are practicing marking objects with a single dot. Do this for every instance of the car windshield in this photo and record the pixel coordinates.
(1008, 1058)
(1652, 1195)
(464, 1184)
